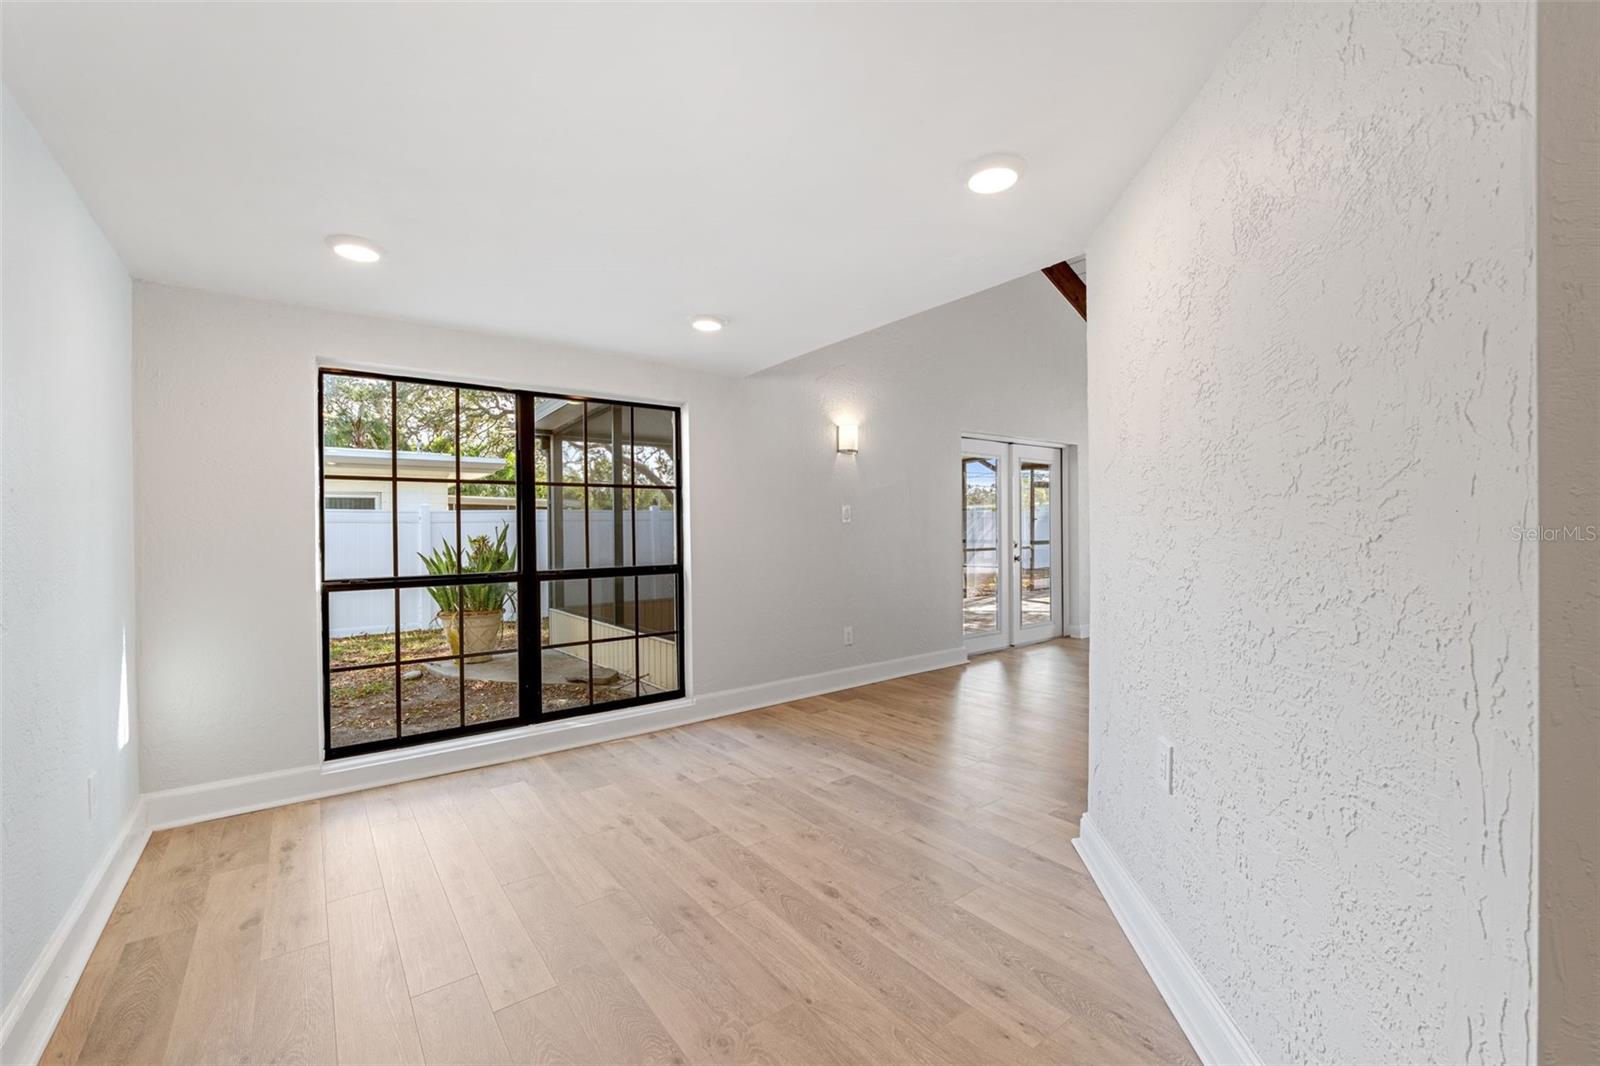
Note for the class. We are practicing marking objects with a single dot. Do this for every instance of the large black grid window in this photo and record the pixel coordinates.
(437, 622)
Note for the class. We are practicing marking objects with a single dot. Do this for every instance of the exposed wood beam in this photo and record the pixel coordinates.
(1071, 286)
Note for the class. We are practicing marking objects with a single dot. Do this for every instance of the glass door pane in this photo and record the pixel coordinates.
(1035, 576)
(981, 570)
(1033, 542)
(984, 558)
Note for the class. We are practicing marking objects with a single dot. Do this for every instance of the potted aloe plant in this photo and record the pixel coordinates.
(472, 615)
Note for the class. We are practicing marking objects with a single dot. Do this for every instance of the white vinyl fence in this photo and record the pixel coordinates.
(983, 529)
(360, 544)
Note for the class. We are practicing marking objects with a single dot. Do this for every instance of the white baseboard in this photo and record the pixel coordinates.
(218, 799)
(1077, 632)
(32, 1014)
(1204, 1020)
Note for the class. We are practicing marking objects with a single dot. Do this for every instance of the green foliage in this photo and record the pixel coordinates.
(356, 413)
(484, 555)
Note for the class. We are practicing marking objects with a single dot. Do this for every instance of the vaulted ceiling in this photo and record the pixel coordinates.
(599, 173)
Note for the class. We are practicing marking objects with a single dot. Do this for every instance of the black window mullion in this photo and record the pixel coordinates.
(394, 533)
(584, 439)
(529, 579)
(633, 495)
(461, 606)
(530, 665)
(680, 567)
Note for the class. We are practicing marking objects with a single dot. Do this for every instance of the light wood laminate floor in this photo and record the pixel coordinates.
(880, 875)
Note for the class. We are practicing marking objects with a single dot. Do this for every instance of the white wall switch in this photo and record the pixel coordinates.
(844, 514)
(849, 635)
(1165, 765)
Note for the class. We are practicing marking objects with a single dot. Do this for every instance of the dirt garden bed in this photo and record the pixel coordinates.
(362, 703)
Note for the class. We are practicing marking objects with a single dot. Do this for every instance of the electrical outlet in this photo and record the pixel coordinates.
(844, 514)
(94, 801)
(1164, 767)
(849, 635)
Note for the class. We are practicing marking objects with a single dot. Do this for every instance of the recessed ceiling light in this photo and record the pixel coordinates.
(995, 173)
(355, 249)
(707, 323)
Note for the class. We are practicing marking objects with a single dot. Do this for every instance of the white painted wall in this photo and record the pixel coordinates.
(227, 573)
(1312, 431)
(66, 582)
(1010, 361)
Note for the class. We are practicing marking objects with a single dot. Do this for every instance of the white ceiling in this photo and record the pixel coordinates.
(598, 173)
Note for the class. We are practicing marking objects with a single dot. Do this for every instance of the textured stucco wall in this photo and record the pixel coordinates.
(1311, 395)
(66, 545)
(1569, 508)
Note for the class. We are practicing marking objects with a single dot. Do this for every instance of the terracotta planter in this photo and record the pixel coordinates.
(479, 632)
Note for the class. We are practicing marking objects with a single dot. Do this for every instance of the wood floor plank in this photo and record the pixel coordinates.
(692, 871)
(294, 1009)
(1080, 1042)
(882, 858)
(796, 1034)
(605, 1003)
(976, 976)
(349, 861)
(98, 978)
(706, 1015)
(217, 1000)
(973, 1036)
(682, 820)
(880, 875)
(904, 988)
(176, 892)
(296, 915)
(581, 877)
(831, 990)
(387, 803)
(431, 947)
(544, 1030)
(374, 1023)
(497, 836)
(458, 1028)
(508, 966)
(135, 1017)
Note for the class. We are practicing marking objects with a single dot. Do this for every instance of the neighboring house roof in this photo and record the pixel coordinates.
(374, 463)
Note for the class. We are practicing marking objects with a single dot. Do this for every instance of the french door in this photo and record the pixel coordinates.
(1012, 557)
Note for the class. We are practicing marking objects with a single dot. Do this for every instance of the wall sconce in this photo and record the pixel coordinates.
(849, 438)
